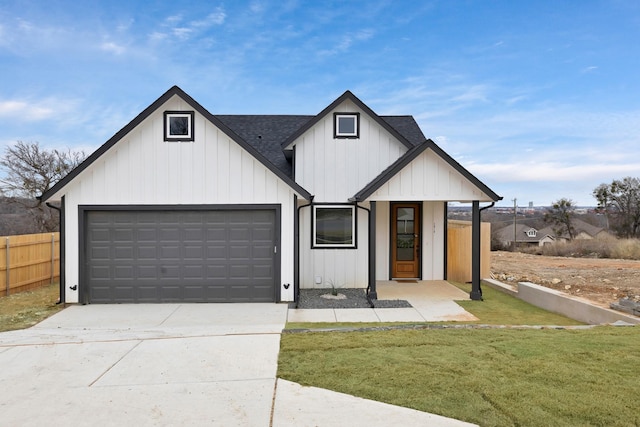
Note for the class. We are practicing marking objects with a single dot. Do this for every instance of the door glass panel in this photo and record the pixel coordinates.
(405, 240)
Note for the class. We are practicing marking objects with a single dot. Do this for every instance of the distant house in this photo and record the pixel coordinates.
(185, 206)
(524, 235)
(530, 236)
(585, 231)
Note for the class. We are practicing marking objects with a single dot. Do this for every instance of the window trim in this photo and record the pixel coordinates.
(167, 123)
(354, 227)
(346, 135)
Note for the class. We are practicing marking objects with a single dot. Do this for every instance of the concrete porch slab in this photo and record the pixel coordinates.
(423, 291)
(431, 300)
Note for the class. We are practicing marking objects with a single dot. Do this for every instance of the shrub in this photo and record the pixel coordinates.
(594, 248)
(627, 249)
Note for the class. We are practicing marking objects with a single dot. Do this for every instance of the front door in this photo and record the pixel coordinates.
(405, 241)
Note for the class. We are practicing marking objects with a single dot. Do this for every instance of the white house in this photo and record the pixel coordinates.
(185, 206)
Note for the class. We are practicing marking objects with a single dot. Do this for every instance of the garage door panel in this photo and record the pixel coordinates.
(148, 272)
(122, 272)
(180, 256)
(147, 252)
(123, 252)
(100, 253)
(147, 235)
(169, 252)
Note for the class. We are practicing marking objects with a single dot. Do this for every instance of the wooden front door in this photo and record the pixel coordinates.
(405, 241)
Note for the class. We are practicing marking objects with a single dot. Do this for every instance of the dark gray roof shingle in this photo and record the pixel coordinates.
(267, 132)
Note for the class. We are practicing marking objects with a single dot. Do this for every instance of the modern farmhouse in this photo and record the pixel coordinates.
(182, 205)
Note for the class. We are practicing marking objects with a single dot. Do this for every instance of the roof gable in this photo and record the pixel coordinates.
(286, 144)
(175, 90)
(411, 155)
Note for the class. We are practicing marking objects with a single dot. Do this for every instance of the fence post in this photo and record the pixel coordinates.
(53, 255)
(8, 269)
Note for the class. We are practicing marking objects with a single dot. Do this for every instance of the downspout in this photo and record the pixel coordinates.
(61, 297)
(371, 292)
(296, 263)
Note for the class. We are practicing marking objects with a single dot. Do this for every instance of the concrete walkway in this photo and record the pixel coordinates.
(169, 364)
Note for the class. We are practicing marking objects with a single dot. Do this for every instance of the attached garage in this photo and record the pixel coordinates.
(160, 254)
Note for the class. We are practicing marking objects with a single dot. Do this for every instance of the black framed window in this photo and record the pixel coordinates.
(334, 226)
(346, 125)
(178, 125)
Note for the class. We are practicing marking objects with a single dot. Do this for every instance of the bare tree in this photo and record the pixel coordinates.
(560, 215)
(30, 171)
(620, 201)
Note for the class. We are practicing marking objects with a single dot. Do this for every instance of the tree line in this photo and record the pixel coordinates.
(618, 201)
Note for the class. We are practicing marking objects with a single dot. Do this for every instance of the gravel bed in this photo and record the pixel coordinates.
(354, 298)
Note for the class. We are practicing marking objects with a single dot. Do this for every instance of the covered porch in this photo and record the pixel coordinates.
(431, 301)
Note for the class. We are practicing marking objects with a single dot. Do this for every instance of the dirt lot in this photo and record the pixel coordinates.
(600, 280)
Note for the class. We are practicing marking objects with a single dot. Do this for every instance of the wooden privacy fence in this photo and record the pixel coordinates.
(459, 250)
(28, 261)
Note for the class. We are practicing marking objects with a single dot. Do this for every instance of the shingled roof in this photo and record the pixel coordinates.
(266, 133)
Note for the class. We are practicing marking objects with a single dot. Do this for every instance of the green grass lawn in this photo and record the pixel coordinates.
(498, 308)
(492, 377)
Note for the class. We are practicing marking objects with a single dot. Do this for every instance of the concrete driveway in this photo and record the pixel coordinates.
(169, 364)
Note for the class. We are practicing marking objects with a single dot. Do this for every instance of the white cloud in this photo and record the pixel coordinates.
(178, 27)
(528, 171)
(182, 33)
(173, 19)
(113, 48)
(344, 43)
(215, 18)
(24, 110)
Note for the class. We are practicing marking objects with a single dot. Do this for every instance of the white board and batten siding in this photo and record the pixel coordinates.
(429, 177)
(344, 268)
(334, 170)
(143, 169)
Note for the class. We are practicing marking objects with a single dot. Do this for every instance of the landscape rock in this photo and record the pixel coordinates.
(627, 305)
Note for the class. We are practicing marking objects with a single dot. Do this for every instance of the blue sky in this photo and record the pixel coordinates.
(539, 99)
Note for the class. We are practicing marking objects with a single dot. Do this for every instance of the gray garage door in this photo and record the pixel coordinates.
(180, 256)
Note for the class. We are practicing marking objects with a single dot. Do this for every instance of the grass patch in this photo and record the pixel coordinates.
(25, 309)
(498, 308)
(492, 377)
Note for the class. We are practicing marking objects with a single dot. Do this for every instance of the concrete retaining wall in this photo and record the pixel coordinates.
(561, 303)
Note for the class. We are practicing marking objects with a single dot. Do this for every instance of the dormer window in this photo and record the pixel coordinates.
(346, 125)
(532, 233)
